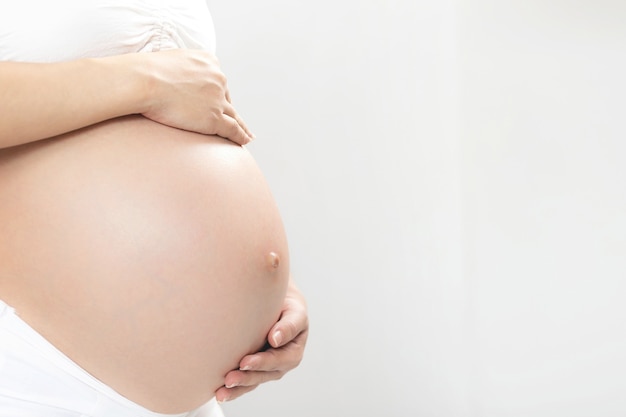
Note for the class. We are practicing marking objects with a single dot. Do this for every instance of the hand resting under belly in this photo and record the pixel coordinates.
(154, 258)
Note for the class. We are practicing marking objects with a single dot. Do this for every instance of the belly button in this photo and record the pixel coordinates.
(273, 260)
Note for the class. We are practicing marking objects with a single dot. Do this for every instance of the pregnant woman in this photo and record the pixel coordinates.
(143, 261)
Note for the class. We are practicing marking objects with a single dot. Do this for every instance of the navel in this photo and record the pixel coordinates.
(273, 260)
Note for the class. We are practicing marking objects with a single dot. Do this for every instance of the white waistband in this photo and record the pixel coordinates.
(33, 373)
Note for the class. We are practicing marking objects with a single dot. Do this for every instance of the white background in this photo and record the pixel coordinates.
(452, 178)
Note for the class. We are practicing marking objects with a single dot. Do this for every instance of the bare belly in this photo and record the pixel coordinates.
(143, 253)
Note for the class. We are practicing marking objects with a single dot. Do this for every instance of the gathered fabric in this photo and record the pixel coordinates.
(62, 30)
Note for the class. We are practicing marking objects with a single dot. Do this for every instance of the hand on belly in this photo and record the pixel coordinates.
(154, 258)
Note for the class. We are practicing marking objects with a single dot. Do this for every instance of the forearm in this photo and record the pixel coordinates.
(41, 100)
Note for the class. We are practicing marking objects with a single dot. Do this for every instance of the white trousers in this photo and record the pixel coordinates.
(38, 380)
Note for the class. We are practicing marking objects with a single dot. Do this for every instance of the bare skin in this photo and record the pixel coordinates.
(287, 339)
(154, 258)
(179, 88)
(183, 89)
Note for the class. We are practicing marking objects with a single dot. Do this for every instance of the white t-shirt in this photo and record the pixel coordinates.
(60, 30)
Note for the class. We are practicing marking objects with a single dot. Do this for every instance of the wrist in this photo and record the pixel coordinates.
(132, 83)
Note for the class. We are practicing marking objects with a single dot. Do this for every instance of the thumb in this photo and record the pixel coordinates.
(290, 325)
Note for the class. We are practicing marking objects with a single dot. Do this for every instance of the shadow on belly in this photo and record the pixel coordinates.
(159, 255)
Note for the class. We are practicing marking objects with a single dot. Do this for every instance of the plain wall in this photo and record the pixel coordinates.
(452, 179)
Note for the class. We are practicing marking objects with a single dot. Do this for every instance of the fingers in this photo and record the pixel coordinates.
(228, 394)
(238, 383)
(229, 128)
(287, 338)
(191, 93)
(293, 321)
(229, 110)
(241, 379)
(281, 359)
(287, 328)
(256, 369)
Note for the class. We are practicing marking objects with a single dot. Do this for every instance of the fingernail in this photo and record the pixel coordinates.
(278, 337)
(233, 385)
(245, 368)
(223, 400)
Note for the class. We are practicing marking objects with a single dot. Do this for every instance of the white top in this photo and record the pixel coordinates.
(60, 30)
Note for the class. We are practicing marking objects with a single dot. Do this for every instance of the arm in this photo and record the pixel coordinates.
(181, 88)
(287, 339)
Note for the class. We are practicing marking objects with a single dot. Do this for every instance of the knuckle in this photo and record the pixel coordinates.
(291, 330)
(214, 117)
(278, 375)
(213, 88)
(220, 77)
(298, 361)
(234, 128)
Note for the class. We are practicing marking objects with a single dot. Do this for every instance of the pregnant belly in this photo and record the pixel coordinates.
(154, 258)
